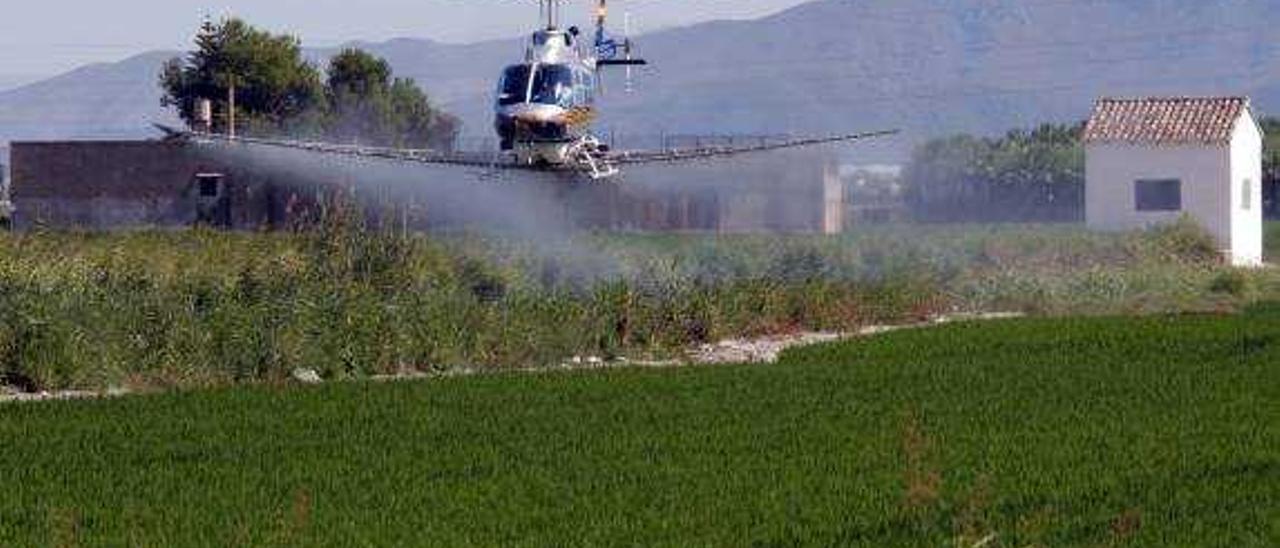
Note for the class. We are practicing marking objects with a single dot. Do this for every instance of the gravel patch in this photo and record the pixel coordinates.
(9, 394)
(761, 350)
(767, 349)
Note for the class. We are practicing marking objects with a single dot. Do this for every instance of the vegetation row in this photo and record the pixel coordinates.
(199, 308)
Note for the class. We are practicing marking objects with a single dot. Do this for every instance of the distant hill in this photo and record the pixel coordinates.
(10, 81)
(927, 66)
(106, 100)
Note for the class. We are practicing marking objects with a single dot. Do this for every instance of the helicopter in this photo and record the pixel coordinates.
(544, 107)
(546, 104)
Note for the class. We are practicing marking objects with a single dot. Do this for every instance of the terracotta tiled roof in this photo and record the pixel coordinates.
(1165, 120)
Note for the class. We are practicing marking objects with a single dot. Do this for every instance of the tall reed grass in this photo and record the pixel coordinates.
(201, 308)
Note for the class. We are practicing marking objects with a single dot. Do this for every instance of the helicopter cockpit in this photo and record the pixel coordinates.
(541, 84)
(554, 37)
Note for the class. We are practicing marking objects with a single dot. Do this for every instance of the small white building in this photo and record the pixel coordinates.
(1150, 161)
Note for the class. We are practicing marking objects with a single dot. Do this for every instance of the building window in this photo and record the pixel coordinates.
(1246, 195)
(208, 185)
(1158, 195)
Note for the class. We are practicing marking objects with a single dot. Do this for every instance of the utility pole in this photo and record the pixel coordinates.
(204, 115)
(231, 108)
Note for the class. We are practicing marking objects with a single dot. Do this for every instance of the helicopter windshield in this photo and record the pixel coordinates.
(514, 88)
(552, 85)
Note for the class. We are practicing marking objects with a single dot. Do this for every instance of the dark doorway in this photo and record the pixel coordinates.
(213, 201)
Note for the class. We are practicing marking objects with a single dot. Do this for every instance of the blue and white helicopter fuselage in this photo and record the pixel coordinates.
(547, 102)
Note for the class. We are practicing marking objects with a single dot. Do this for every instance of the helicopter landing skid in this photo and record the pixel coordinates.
(585, 154)
(588, 154)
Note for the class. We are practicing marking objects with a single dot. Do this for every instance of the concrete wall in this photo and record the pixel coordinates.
(122, 184)
(133, 184)
(780, 191)
(1212, 180)
(76, 184)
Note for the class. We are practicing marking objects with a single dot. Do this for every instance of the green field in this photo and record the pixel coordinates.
(1156, 431)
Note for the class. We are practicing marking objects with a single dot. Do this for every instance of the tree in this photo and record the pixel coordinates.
(944, 177)
(277, 92)
(1271, 167)
(369, 105)
(1039, 175)
(418, 124)
(358, 72)
(275, 88)
(1022, 176)
(1271, 154)
(359, 94)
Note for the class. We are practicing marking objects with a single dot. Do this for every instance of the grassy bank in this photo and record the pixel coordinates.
(1158, 431)
(201, 308)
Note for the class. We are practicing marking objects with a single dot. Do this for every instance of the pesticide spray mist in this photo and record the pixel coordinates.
(531, 211)
(554, 214)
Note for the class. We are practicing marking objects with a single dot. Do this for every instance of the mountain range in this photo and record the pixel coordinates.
(926, 66)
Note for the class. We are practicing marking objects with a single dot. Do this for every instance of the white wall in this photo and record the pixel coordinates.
(1246, 164)
(1112, 169)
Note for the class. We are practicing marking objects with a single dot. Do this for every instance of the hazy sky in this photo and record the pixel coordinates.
(40, 38)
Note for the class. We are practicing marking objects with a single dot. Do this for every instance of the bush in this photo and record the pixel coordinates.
(1231, 282)
(1186, 240)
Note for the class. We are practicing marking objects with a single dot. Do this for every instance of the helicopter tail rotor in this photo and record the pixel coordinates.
(611, 51)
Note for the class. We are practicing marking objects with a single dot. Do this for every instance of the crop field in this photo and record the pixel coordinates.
(160, 310)
(1158, 431)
